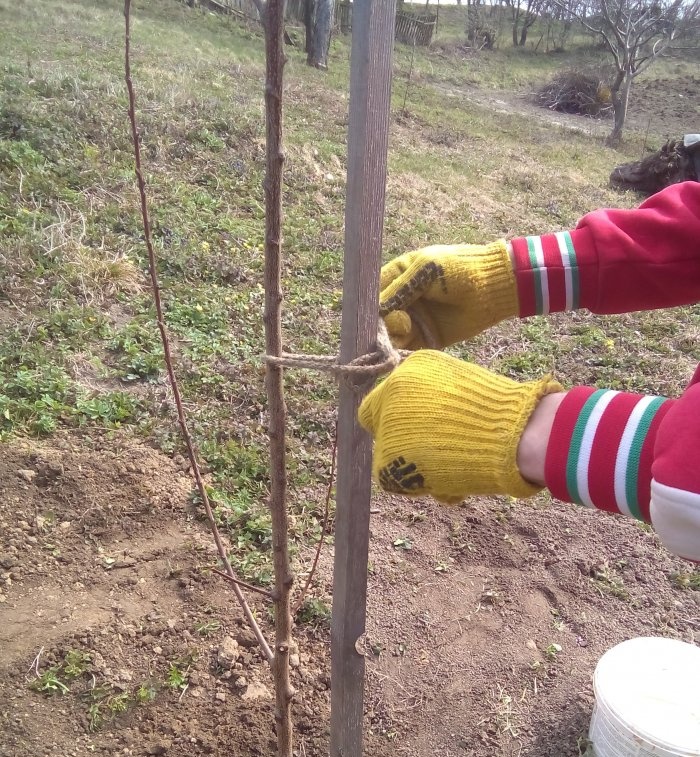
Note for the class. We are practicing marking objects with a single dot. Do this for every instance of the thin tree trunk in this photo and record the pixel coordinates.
(323, 24)
(274, 47)
(309, 28)
(620, 98)
(516, 22)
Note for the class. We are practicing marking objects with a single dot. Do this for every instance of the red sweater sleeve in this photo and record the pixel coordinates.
(634, 455)
(616, 261)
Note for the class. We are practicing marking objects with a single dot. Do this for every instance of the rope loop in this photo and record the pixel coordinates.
(383, 359)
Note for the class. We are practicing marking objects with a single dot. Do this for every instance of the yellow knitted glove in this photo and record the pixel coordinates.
(451, 292)
(449, 428)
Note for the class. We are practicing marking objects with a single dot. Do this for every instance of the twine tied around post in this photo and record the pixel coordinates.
(383, 359)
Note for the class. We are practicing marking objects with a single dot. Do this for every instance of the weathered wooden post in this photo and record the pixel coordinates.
(368, 137)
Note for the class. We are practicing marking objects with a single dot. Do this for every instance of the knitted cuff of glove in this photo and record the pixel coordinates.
(495, 282)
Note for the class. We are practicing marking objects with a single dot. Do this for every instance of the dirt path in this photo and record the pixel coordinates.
(509, 103)
(661, 108)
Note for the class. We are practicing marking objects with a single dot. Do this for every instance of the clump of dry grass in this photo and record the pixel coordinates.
(96, 273)
(100, 274)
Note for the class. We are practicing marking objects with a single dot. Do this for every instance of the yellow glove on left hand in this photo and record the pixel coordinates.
(449, 292)
(449, 428)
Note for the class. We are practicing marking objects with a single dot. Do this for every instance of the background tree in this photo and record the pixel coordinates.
(524, 13)
(559, 26)
(318, 23)
(636, 32)
(481, 32)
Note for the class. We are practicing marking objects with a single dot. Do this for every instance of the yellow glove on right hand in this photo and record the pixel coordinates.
(453, 292)
(449, 428)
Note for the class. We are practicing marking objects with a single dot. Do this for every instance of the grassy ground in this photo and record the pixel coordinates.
(79, 346)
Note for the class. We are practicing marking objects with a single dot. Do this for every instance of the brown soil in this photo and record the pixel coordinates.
(101, 552)
(666, 106)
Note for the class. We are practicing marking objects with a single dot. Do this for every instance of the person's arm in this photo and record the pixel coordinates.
(615, 261)
(532, 447)
(451, 429)
(624, 453)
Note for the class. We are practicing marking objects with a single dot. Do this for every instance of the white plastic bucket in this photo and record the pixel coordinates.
(647, 700)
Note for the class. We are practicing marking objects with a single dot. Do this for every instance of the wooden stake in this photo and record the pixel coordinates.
(368, 132)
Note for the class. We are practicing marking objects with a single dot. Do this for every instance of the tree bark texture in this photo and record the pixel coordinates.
(322, 32)
(274, 47)
(620, 94)
(319, 33)
(309, 6)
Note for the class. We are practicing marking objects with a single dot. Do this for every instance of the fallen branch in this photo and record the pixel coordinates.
(155, 287)
(238, 582)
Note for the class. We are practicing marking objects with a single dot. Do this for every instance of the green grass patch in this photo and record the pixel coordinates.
(79, 345)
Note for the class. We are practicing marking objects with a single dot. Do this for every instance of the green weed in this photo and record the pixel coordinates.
(49, 682)
(207, 627)
(177, 676)
(75, 663)
(608, 580)
(314, 612)
(686, 580)
(105, 702)
(138, 350)
(55, 679)
(552, 651)
(145, 693)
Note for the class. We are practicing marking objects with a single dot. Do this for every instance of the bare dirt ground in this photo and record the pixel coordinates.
(485, 622)
(102, 554)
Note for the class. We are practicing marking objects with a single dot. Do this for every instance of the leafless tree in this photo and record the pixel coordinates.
(523, 13)
(480, 28)
(559, 25)
(636, 32)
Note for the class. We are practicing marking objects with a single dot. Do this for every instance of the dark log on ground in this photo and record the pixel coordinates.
(671, 164)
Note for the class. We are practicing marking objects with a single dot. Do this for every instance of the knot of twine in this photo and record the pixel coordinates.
(383, 359)
(368, 366)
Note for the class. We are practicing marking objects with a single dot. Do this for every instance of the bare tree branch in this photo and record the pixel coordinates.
(245, 585)
(155, 288)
